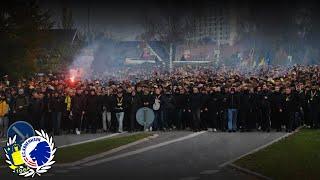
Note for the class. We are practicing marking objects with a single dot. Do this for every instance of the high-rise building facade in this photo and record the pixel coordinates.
(216, 23)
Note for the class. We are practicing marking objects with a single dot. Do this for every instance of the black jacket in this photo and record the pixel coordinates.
(233, 101)
(215, 102)
(120, 104)
(196, 101)
(290, 103)
(36, 106)
(107, 102)
(277, 99)
(245, 100)
(265, 101)
(181, 101)
(57, 104)
(93, 106)
(78, 103)
(167, 101)
(146, 99)
(134, 102)
(313, 99)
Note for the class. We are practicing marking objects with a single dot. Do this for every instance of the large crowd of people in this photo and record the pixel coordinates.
(272, 98)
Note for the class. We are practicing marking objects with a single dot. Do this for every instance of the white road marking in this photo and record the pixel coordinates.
(138, 151)
(254, 150)
(101, 155)
(90, 140)
(208, 172)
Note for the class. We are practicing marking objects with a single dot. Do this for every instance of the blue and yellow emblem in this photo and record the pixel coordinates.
(34, 156)
(14, 155)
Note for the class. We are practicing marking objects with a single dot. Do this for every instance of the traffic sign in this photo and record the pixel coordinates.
(145, 117)
(22, 130)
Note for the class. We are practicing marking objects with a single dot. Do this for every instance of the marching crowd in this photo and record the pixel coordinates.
(278, 98)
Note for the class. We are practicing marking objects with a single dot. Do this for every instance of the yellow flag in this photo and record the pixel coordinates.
(254, 64)
(262, 62)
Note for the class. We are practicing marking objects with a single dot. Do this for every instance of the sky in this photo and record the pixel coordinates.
(124, 18)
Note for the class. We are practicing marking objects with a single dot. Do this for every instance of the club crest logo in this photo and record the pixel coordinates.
(34, 156)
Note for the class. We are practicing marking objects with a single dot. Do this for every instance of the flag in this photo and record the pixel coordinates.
(262, 62)
(254, 64)
(268, 58)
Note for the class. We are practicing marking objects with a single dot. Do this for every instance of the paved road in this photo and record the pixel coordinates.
(193, 158)
(67, 139)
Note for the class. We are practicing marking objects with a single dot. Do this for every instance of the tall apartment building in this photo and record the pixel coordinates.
(215, 22)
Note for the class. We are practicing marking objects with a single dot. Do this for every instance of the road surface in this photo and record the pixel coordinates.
(173, 155)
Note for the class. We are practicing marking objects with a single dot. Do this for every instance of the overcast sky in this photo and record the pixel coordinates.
(124, 18)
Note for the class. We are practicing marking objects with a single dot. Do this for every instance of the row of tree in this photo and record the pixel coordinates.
(24, 38)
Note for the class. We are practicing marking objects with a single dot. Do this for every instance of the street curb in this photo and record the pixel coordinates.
(253, 173)
(91, 140)
(101, 155)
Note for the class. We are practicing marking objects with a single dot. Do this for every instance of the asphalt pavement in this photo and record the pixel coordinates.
(179, 155)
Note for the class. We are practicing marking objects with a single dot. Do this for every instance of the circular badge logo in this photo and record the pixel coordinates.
(36, 151)
(33, 157)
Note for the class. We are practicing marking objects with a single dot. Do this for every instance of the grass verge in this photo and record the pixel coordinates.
(78, 152)
(295, 157)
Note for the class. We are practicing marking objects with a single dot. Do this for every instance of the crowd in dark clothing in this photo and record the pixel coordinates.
(275, 98)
